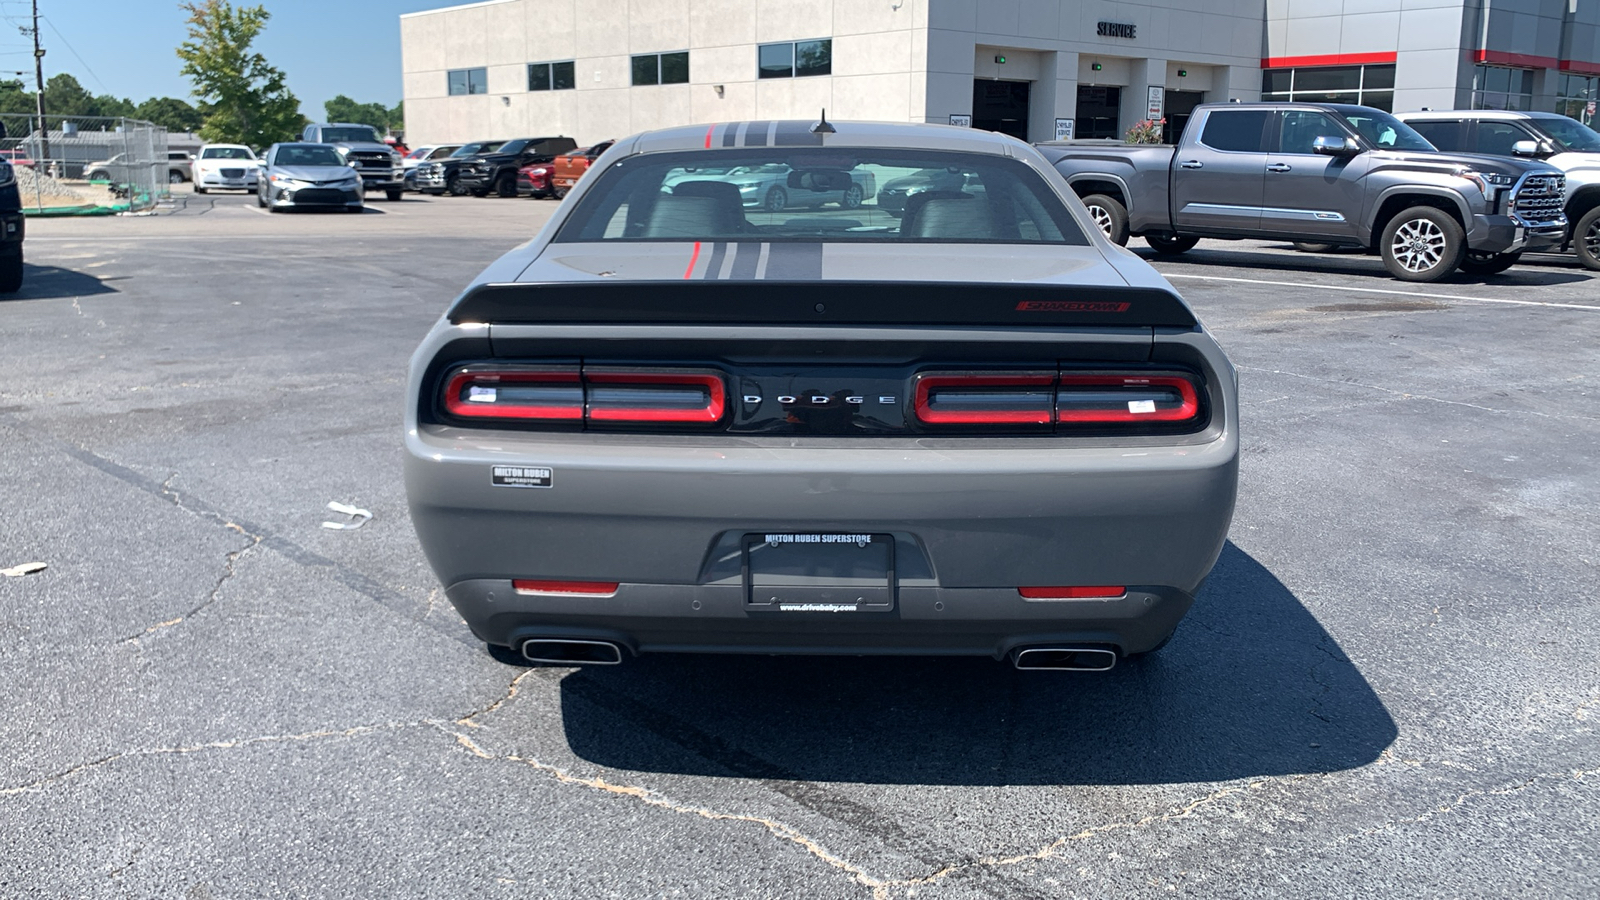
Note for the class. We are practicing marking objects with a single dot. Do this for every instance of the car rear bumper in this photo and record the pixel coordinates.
(972, 522)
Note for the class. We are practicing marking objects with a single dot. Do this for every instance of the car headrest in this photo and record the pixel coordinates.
(720, 191)
(688, 218)
(947, 214)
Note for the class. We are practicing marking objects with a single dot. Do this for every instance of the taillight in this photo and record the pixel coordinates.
(654, 396)
(565, 588)
(1125, 398)
(1022, 398)
(574, 395)
(1075, 592)
(529, 394)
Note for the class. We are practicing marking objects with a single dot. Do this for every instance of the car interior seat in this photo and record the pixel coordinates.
(948, 214)
(730, 204)
(687, 218)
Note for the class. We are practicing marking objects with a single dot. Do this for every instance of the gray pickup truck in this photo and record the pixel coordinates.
(1326, 173)
(1565, 143)
(365, 152)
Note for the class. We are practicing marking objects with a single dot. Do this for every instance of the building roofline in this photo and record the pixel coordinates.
(443, 9)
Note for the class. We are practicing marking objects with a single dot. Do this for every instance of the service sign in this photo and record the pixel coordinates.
(961, 121)
(1157, 103)
(1064, 129)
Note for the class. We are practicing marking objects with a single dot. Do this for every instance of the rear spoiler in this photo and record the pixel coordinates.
(820, 303)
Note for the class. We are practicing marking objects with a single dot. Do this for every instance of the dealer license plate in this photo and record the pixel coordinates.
(823, 572)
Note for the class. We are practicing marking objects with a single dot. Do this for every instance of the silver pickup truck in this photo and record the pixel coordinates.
(1325, 173)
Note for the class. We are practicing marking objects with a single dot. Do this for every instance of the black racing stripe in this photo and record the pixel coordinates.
(755, 134)
(745, 256)
(798, 261)
(730, 134)
(718, 251)
(796, 134)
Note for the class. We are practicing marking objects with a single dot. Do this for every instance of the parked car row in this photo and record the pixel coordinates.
(1487, 187)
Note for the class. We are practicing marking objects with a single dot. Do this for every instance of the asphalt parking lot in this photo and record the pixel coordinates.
(1389, 687)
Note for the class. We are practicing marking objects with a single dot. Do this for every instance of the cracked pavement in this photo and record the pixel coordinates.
(1388, 687)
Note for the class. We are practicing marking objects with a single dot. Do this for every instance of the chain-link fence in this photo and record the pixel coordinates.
(84, 165)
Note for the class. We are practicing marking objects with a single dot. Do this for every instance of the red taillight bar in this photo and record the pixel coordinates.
(1103, 592)
(928, 383)
(1188, 401)
(492, 379)
(716, 404)
(568, 588)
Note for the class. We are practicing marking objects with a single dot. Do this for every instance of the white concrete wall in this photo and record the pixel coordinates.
(896, 60)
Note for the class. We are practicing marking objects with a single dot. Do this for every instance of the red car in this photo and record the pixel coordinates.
(534, 180)
(16, 157)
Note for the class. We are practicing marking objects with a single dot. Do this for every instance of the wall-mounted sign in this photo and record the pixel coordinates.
(1117, 30)
(1064, 129)
(962, 121)
(1157, 103)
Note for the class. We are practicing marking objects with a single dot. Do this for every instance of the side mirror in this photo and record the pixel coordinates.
(1532, 148)
(1335, 146)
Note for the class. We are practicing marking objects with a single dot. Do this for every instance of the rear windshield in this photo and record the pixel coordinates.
(855, 195)
(344, 135)
(226, 153)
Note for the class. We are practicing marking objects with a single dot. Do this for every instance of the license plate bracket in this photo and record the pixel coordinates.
(828, 572)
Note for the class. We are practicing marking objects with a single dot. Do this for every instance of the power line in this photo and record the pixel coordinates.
(75, 54)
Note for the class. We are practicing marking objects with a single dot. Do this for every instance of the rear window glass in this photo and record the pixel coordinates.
(1446, 135)
(821, 194)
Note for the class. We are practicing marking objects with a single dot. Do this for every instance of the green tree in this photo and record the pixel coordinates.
(343, 109)
(244, 100)
(16, 98)
(170, 113)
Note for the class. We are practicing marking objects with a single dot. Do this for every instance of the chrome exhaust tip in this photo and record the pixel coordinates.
(563, 652)
(1064, 659)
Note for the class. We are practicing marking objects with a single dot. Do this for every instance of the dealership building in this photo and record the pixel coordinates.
(1037, 69)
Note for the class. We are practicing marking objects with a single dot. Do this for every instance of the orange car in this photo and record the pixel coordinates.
(571, 166)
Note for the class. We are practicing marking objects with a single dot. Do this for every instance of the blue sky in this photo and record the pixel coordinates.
(125, 47)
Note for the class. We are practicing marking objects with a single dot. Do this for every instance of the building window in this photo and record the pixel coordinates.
(1365, 85)
(469, 81)
(661, 68)
(796, 59)
(1576, 97)
(558, 76)
(1499, 87)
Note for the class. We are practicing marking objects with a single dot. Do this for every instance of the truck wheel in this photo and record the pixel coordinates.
(452, 186)
(393, 194)
(1308, 247)
(174, 177)
(11, 273)
(1586, 239)
(559, 193)
(1423, 244)
(507, 185)
(1110, 215)
(1165, 244)
(1488, 263)
(199, 190)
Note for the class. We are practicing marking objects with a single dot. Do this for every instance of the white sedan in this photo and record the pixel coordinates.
(228, 166)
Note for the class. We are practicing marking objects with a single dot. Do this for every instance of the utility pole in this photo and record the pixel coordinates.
(38, 83)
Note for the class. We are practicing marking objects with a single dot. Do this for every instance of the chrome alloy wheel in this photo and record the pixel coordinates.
(1591, 238)
(1418, 245)
(1102, 218)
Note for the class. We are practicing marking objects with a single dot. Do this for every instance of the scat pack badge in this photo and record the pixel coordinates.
(522, 476)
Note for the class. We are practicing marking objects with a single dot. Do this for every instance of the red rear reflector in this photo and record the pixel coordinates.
(532, 394)
(997, 399)
(584, 588)
(690, 397)
(1125, 399)
(1072, 593)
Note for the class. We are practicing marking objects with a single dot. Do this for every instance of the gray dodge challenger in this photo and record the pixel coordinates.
(670, 423)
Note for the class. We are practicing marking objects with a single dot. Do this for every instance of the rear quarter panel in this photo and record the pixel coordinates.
(1142, 173)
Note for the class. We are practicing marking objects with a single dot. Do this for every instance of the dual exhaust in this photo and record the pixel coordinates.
(572, 652)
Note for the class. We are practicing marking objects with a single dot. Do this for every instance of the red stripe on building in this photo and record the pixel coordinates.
(1582, 68)
(1520, 60)
(1329, 59)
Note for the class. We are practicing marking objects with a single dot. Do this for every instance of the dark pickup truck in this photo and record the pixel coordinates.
(1325, 173)
(12, 228)
(497, 170)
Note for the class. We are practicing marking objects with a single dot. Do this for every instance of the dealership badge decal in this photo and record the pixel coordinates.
(522, 476)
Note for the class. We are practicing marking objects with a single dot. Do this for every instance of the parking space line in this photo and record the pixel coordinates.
(1361, 290)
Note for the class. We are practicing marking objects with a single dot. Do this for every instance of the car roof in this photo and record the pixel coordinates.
(797, 133)
(1488, 114)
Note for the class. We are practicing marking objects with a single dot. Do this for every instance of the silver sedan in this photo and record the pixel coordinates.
(297, 176)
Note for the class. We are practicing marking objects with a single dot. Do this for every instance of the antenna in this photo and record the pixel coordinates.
(824, 126)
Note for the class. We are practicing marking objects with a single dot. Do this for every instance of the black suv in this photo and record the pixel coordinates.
(12, 228)
(497, 171)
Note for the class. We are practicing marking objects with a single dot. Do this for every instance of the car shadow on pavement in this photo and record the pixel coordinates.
(1361, 265)
(1251, 685)
(49, 282)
